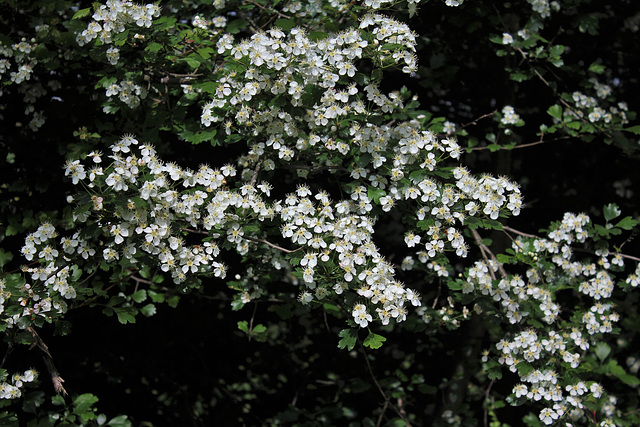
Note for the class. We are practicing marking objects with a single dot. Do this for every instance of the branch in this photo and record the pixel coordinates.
(528, 144)
(486, 254)
(476, 120)
(387, 400)
(254, 239)
(56, 379)
(628, 256)
(277, 12)
(513, 230)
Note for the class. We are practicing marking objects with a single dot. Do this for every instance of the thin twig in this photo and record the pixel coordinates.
(486, 254)
(628, 256)
(486, 396)
(254, 178)
(381, 417)
(379, 387)
(513, 230)
(476, 120)
(271, 244)
(528, 144)
(277, 12)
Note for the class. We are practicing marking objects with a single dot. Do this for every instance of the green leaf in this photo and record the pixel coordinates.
(125, 315)
(156, 297)
(375, 193)
(193, 61)
(119, 421)
(518, 77)
(555, 111)
(597, 69)
(258, 329)
(153, 47)
(5, 257)
(634, 129)
(282, 310)
(494, 374)
(83, 406)
(602, 350)
(473, 222)
(285, 24)
(611, 211)
(620, 373)
(148, 310)
(317, 35)
(374, 341)
(627, 223)
(236, 26)
(81, 13)
(243, 325)
(205, 52)
(198, 137)
(139, 296)
(524, 368)
(349, 338)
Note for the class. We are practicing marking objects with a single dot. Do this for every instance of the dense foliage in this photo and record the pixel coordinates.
(313, 212)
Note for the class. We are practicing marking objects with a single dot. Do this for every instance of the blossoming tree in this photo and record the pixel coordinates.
(336, 180)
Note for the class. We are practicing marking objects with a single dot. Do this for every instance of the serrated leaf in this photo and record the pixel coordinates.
(153, 47)
(374, 341)
(524, 368)
(518, 77)
(375, 193)
(634, 129)
(349, 338)
(494, 374)
(139, 296)
(243, 325)
(148, 310)
(156, 297)
(627, 223)
(236, 26)
(285, 24)
(82, 405)
(81, 13)
(555, 111)
(125, 315)
(611, 211)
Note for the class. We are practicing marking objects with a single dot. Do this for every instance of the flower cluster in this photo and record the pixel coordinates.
(111, 18)
(590, 108)
(543, 7)
(315, 75)
(12, 390)
(509, 116)
(127, 92)
(520, 299)
(23, 61)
